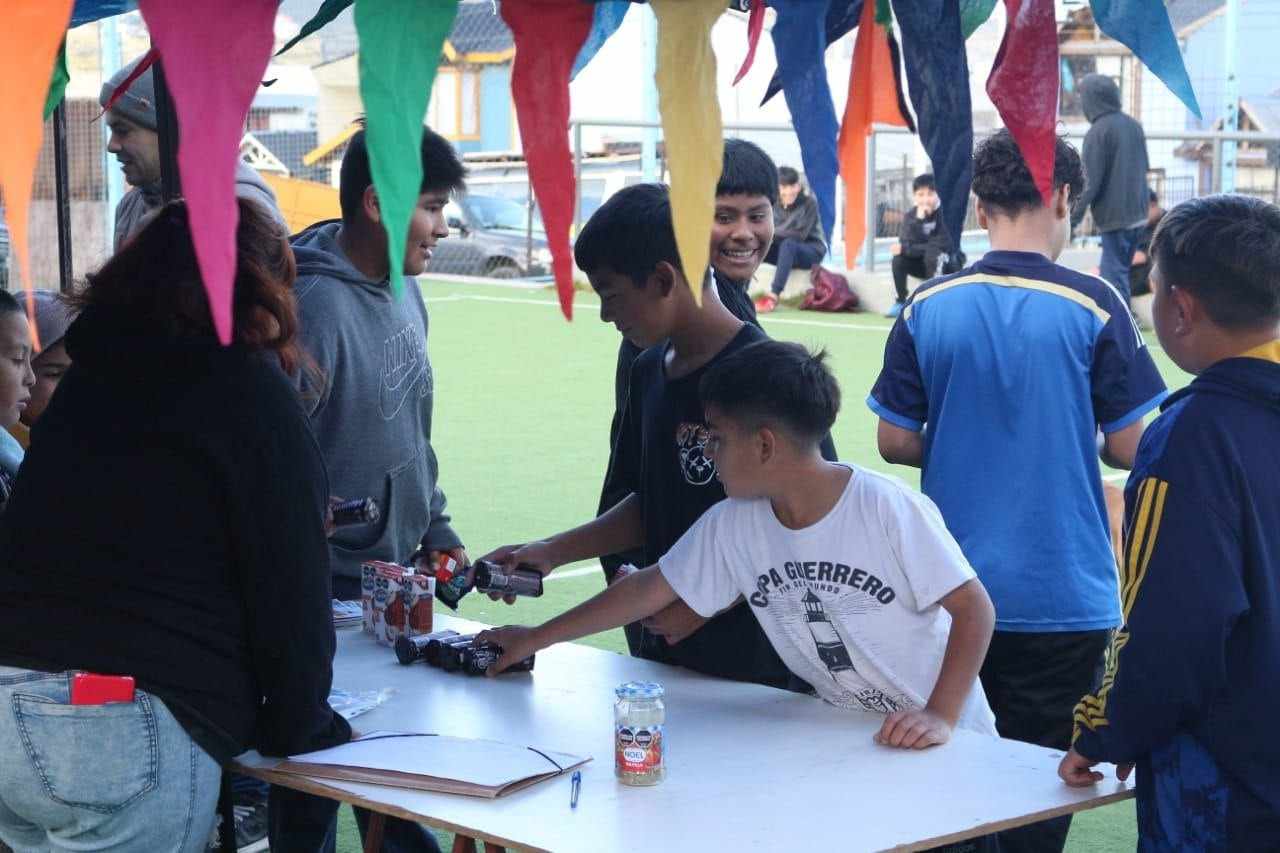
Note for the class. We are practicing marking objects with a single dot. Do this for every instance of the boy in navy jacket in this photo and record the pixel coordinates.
(1190, 693)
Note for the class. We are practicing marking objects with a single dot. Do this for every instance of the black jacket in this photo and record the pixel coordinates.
(167, 524)
(1115, 160)
(801, 221)
(922, 237)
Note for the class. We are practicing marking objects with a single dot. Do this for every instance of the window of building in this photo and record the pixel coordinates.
(454, 111)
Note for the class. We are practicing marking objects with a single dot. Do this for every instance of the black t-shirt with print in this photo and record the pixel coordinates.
(661, 455)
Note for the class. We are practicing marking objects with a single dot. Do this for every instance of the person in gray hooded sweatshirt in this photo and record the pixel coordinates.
(1115, 173)
(371, 410)
(136, 146)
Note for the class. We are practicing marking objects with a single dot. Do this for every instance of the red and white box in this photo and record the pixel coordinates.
(395, 601)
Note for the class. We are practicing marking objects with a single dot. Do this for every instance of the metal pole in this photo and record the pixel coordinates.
(869, 248)
(1231, 91)
(577, 179)
(62, 195)
(649, 95)
(528, 230)
(1216, 169)
(167, 129)
(109, 51)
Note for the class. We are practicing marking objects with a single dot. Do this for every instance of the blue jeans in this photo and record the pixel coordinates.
(788, 254)
(122, 776)
(1117, 258)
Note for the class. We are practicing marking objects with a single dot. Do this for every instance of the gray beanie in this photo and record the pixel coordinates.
(53, 316)
(138, 103)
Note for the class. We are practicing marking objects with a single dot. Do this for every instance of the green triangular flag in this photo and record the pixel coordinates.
(329, 10)
(58, 84)
(884, 15)
(973, 14)
(400, 46)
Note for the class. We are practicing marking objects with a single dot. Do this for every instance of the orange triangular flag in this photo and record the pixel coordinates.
(29, 43)
(873, 97)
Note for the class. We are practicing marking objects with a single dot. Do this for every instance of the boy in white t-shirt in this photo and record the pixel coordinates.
(854, 578)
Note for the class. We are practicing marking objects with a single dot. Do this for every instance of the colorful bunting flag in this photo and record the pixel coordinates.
(328, 10)
(608, 18)
(29, 42)
(973, 14)
(57, 85)
(799, 39)
(933, 53)
(841, 17)
(1143, 26)
(691, 125)
(400, 46)
(213, 56)
(549, 36)
(1024, 85)
(87, 11)
(873, 97)
(755, 26)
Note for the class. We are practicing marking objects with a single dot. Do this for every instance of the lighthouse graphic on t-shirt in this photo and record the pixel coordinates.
(831, 649)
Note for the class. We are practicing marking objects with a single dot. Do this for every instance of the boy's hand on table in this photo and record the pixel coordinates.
(895, 249)
(1077, 771)
(329, 527)
(674, 623)
(917, 728)
(516, 641)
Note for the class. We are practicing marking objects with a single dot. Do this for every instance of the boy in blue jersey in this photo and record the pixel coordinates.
(1191, 693)
(996, 382)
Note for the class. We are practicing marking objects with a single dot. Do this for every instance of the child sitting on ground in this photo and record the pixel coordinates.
(1190, 691)
(853, 577)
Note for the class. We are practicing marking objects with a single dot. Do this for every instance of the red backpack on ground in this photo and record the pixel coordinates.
(830, 292)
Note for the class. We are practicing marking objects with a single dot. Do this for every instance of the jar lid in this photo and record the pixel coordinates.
(639, 690)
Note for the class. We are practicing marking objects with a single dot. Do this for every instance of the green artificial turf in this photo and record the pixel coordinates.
(523, 401)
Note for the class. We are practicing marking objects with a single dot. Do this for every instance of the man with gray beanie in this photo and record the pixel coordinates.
(136, 145)
(1115, 175)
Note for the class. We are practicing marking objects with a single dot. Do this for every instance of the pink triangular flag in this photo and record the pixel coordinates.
(213, 56)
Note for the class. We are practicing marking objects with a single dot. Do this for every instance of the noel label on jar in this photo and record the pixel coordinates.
(639, 719)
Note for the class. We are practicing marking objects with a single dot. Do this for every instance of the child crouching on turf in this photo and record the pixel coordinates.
(853, 577)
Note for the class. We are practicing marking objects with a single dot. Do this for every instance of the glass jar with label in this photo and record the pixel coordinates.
(639, 717)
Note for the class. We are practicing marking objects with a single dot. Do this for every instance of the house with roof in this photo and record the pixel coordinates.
(1180, 169)
(470, 102)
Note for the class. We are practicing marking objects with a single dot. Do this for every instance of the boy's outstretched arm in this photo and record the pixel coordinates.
(627, 600)
(973, 618)
(620, 529)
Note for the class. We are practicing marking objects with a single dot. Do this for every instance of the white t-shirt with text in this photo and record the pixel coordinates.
(850, 603)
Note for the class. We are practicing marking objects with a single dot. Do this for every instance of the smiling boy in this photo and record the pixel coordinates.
(852, 576)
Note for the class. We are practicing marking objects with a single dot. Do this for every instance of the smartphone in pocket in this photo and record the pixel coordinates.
(90, 689)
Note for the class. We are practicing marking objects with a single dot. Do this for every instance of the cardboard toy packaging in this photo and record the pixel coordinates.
(395, 601)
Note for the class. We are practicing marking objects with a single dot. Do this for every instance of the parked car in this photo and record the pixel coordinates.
(491, 236)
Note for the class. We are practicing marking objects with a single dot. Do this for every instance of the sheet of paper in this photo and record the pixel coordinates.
(478, 762)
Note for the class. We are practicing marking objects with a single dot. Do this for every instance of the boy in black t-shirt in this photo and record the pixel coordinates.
(628, 252)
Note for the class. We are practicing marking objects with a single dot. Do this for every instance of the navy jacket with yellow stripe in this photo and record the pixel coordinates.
(1191, 692)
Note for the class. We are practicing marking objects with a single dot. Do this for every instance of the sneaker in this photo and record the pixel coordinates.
(250, 828)
(893, 312)
(766, 303)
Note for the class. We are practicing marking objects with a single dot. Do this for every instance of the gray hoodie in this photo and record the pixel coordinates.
(372, 413)
(1115, 160)
(139, 201)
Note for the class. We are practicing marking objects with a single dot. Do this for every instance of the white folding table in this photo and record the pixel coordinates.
(748, 767)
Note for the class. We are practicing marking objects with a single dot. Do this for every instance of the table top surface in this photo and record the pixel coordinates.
(750, 767)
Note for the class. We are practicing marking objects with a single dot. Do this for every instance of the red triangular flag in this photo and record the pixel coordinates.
(1024, 85)
(755, 26)
(548, 36)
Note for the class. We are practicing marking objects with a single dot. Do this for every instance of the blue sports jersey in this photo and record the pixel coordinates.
(1010, 367)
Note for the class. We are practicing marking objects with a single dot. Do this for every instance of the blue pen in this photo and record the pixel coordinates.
(575, 785)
